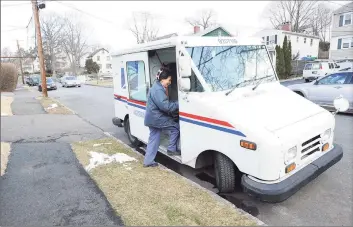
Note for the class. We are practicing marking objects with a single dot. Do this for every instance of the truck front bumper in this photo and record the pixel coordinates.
(281, 191)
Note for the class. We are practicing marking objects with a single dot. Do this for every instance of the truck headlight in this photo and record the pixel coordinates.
(290, 155)
(326, 135)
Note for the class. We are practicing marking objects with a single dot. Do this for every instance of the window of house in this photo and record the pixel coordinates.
(297, 39)
(100, 66)
(108, 58)
(347, 43)
(311, 42)
(288, 37)
(304, 40)
(136, 77)
(347, 19)
(108, 66)
(272, 39)
(98, 58)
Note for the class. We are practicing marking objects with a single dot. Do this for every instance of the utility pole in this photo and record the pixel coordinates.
(40, 47)
(20, 57)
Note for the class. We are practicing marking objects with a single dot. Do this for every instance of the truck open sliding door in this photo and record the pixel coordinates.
(137, 71)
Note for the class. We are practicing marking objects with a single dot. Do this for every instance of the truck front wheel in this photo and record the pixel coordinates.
(225, 173)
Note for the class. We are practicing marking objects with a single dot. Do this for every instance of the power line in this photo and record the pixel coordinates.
(10, 5)
(84, 12)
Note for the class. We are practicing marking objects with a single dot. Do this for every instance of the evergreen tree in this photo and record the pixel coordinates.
(289, 58)
(280, 63)
(285, 56)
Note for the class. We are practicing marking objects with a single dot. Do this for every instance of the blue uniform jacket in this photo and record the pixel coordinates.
(159, 108)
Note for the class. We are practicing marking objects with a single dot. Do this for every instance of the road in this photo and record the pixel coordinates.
(327, 200)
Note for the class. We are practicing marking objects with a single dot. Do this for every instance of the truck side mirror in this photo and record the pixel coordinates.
(185, 66)
(184, 84)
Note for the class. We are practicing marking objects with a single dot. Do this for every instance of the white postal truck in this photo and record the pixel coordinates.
(234, 114)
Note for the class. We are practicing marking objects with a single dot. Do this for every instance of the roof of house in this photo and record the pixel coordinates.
(288, 32)
(208, 30)
(344, 9)
(201, 33)
(95, 52)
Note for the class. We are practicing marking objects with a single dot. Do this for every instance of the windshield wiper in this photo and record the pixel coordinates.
(260, 80)
(251, 80)
(235, 86)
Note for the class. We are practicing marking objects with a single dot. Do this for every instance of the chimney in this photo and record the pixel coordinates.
(286, 26)
(196, 29)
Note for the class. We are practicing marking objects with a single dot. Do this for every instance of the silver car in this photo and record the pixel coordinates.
(71, 81)
(324, 90)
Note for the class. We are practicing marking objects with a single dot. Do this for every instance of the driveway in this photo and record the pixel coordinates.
(327, 200)
(44, 184)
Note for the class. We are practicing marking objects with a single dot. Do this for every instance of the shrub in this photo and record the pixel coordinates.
(8, 77)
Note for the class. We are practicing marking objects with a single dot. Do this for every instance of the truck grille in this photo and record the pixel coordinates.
(310, 146)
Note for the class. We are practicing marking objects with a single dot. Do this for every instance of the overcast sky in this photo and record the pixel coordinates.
(108, 25)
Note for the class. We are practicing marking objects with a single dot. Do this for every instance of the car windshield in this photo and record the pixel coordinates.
(35, 79)
(50, 80)
(70, 78)
(223, 67)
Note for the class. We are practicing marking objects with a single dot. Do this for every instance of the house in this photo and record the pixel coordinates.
(211, 31)
(103, 59)
(302, 44)
(341, 45)
(30, 65)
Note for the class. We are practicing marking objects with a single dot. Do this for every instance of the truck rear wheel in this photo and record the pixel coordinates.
(133, 140)
(225, 173)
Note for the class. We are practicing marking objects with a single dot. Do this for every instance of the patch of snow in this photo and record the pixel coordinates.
(4, 114)
(103, 159)
(52, 106)
(99, 144)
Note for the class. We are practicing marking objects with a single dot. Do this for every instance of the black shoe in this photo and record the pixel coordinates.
(151, 165)
(173, 153)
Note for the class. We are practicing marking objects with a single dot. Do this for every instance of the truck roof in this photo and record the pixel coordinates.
(190, 41)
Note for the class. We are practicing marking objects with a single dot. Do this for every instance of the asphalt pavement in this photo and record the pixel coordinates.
(44, 183)
(327, 200)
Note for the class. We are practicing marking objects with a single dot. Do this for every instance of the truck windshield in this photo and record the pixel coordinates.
(224, 67)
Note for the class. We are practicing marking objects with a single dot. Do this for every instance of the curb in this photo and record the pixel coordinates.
(217, 197)
(296, 78)
(105, 86)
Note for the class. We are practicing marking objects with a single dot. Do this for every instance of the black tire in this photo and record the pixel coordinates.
(307, 80)
(133, 140)
(225, 172)
(40, 89)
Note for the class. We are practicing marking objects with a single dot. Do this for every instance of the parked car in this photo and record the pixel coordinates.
(51, 85)
(33, 80)
(324, 90)
(315, 70)
(71, 81)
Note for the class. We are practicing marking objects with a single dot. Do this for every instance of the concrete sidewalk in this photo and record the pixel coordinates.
(44, 184)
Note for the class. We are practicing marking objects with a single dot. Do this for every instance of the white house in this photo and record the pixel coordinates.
(341, 45)
(103, 59)
(31, 65)
(304, 44)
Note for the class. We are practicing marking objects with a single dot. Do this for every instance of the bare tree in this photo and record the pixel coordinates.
(297, 12)
(205, 19)
(143, 27)
(5, 52)
(321, 21)
(74, 43)
(52, 26)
